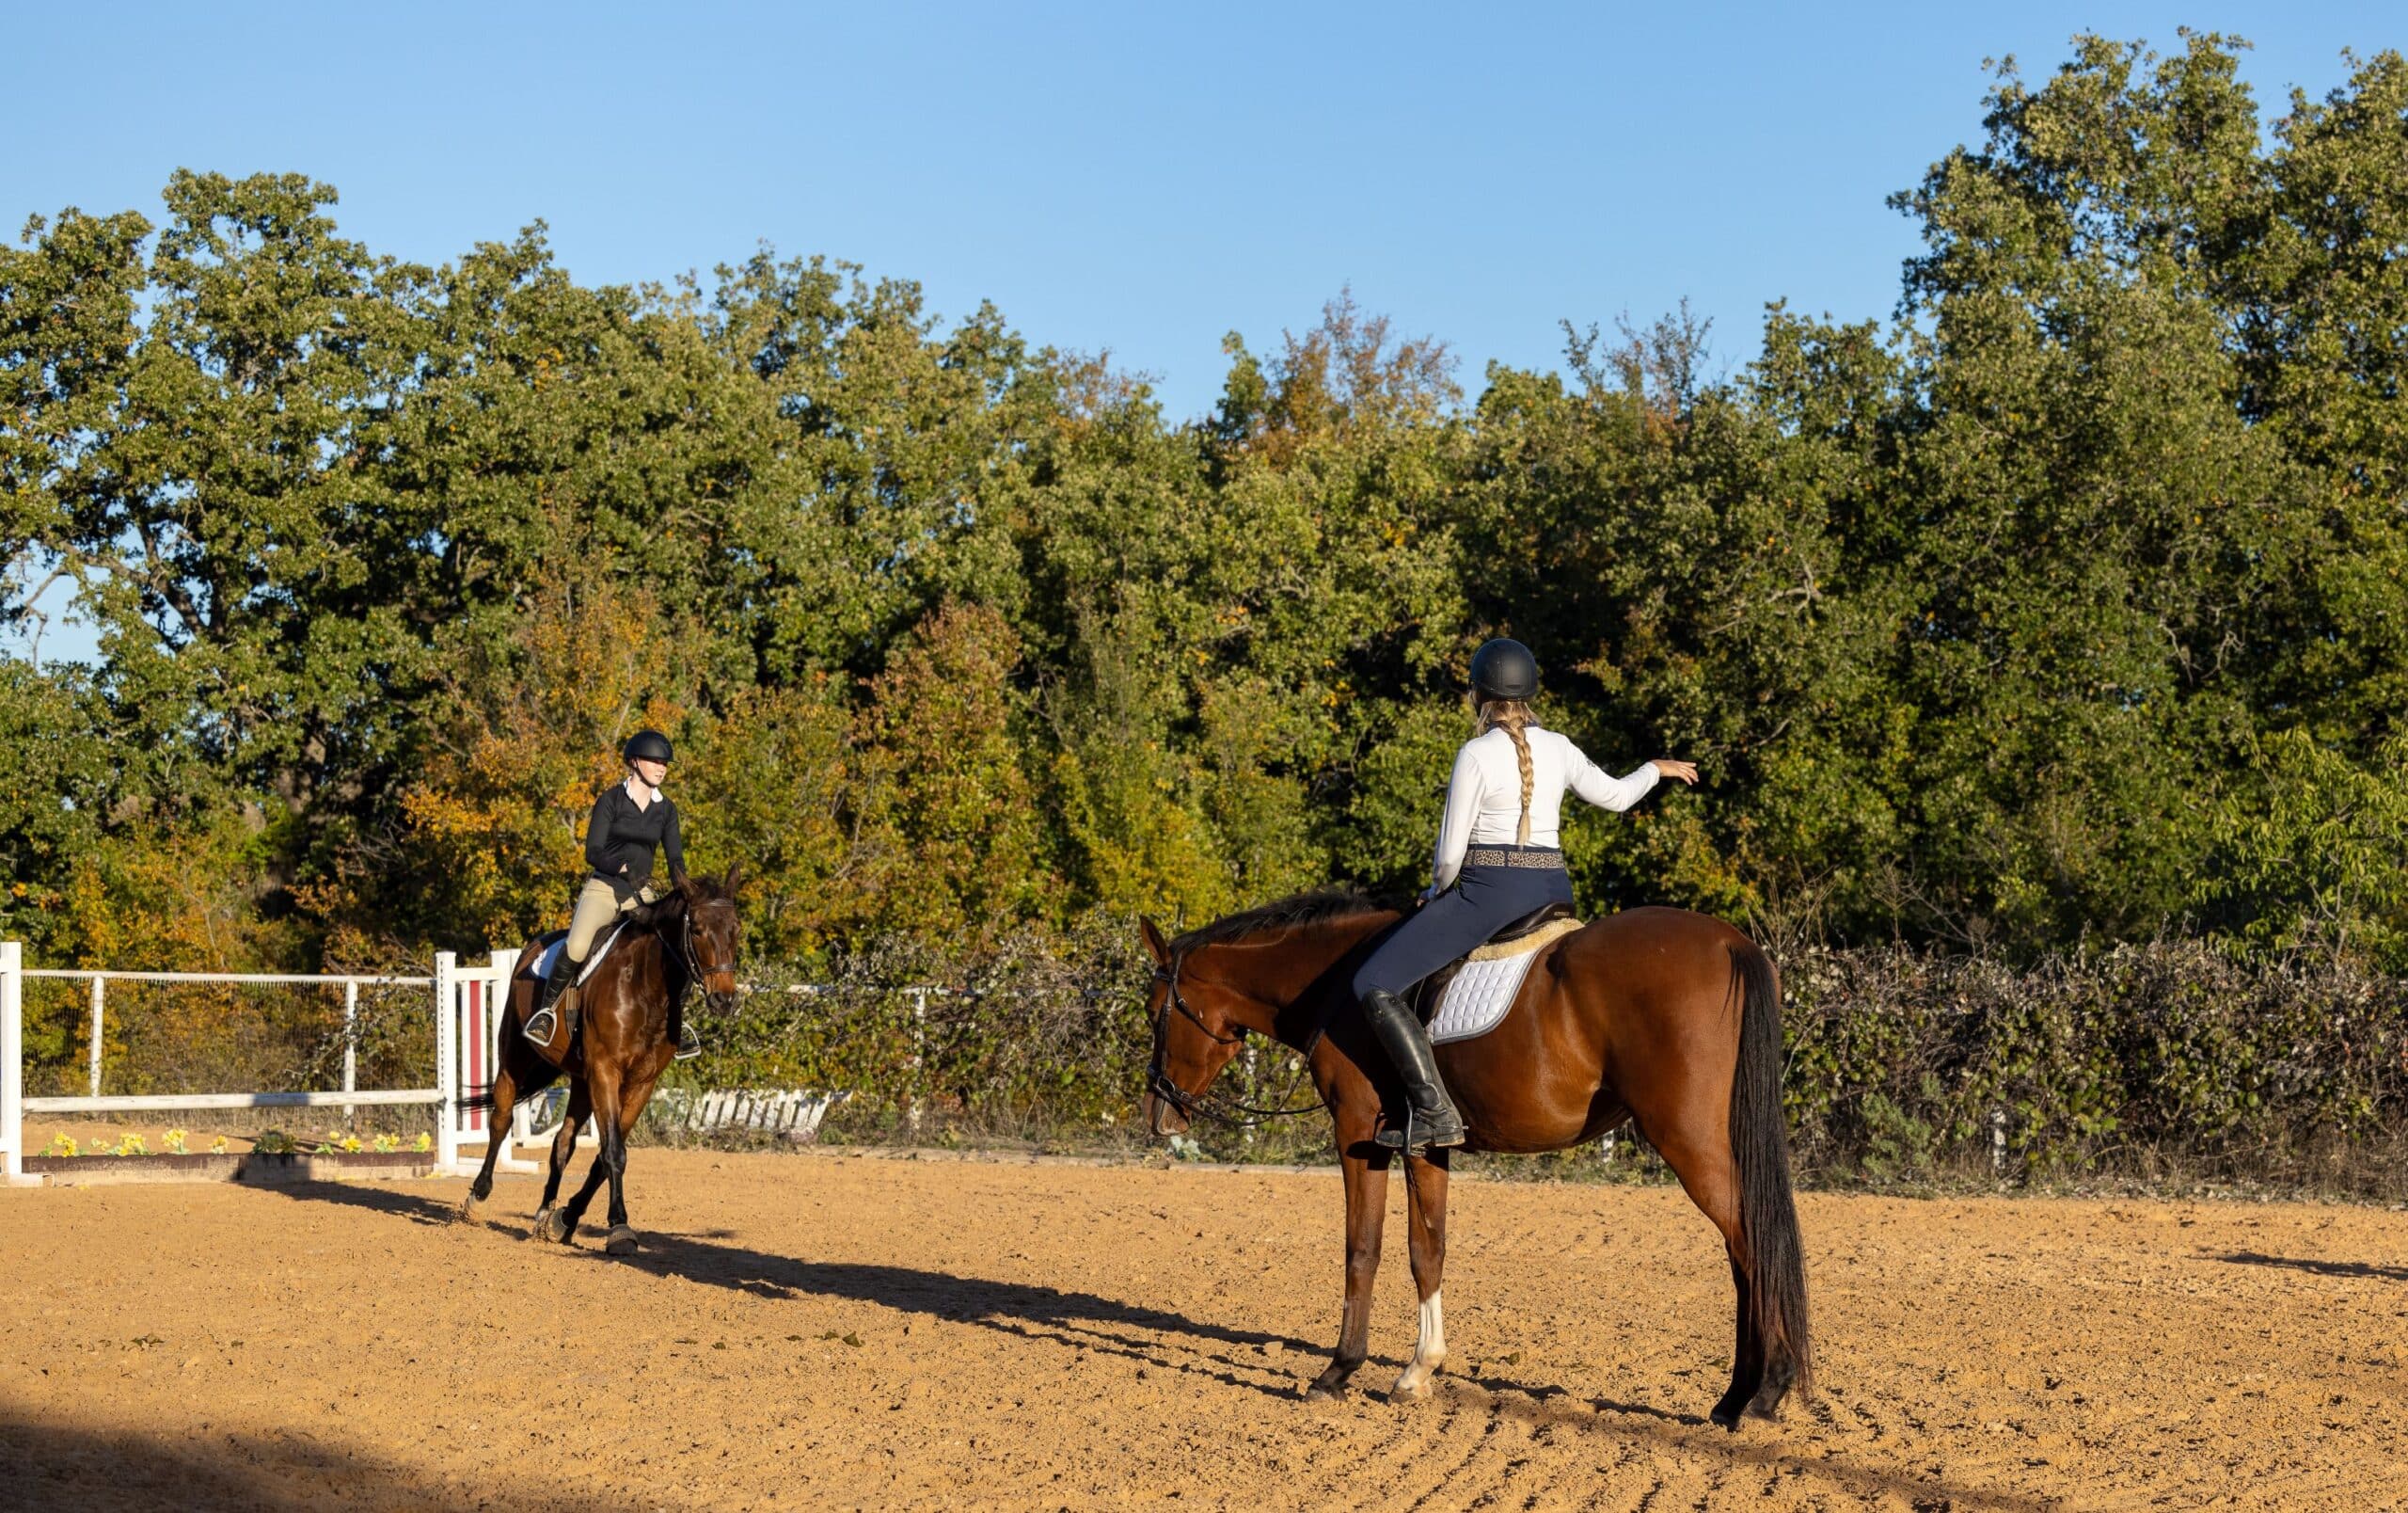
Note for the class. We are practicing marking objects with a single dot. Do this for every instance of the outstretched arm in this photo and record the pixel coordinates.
(1606, 791)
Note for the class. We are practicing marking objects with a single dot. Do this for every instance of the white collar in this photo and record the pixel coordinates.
(634, 782)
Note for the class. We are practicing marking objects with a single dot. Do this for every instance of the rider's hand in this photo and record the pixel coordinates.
(1668, 767)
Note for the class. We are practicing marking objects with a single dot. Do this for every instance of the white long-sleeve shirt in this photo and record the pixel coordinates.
(1484, 796)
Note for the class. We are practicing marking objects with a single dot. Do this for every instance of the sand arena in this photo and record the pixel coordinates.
(837, 1331)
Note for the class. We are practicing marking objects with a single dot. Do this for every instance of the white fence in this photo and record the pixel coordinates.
(468, 1002)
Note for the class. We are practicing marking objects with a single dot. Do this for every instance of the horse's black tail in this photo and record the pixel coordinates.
(1775, 1262)
(475, 1095)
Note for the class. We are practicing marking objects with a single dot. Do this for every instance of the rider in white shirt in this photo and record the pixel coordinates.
(1498, 858)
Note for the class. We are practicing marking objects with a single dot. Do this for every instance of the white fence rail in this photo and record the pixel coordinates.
(468, 1003)
(466, 1015)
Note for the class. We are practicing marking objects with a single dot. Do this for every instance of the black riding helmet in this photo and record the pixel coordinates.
(649, 745)
(1503, 669)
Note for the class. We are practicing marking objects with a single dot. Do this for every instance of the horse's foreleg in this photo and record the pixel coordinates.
(549, 1224)
(622, 1240)
(602, 1078)
(1367, 1211)
(1425, 1187)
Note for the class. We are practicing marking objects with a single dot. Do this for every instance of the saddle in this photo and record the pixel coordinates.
(562, 1045)
(1519, 938)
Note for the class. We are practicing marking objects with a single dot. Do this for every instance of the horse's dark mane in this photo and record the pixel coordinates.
(1295, 909)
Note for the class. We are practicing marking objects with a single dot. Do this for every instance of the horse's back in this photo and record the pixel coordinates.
(1654, 947)
(1636, 996)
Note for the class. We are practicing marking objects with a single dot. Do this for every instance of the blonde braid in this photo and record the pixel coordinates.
(1512, 716)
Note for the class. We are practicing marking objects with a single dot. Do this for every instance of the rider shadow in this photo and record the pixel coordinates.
(1080, 1320)
(2322, 1268)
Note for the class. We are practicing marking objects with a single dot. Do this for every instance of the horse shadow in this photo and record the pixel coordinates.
(1088, 1321)
(2322, 1268)
(1080, 1320)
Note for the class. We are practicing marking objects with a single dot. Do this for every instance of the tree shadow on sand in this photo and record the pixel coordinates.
(1087, 1321)
(61, 1467)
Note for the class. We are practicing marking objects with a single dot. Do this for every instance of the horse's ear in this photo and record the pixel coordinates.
(734, 879)
(688, 889)
(1154, 941)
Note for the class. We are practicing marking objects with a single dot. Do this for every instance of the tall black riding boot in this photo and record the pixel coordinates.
(1432, 1120)
(540, 1023)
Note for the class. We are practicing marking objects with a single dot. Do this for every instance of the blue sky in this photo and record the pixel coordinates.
(1130, 178)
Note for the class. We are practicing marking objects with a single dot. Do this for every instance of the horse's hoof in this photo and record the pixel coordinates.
(553, 1225)
(622, 1241)
(466, 1212)
(1727, 1417)
(1408, 1390)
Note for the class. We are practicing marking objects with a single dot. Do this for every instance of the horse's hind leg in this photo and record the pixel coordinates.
(506, 1098)
(1425, 1186)
(550, 1223)
(1699, 1152)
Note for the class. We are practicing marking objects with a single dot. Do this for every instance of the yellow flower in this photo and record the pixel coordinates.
(218, 1146)
(61, 1145)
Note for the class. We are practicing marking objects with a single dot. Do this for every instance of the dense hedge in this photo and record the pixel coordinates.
(2161, 1059)
(2164, 1059)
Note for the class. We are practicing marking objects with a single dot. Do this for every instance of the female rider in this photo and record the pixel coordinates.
(629, 819)
(1498, 858)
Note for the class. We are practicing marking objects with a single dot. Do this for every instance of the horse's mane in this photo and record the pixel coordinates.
(1295, 909)
(673, 905)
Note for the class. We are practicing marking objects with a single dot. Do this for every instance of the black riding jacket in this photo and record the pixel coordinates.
(622, 836)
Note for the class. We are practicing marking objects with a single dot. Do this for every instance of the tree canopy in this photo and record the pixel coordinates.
(2067, 605)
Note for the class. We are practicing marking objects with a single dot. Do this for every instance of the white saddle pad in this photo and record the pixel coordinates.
(551, 954)
(1483, 992)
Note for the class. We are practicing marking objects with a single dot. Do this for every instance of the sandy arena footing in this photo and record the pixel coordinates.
(834, 1332)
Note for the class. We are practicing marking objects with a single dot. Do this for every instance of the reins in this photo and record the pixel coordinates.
(1243, 1116)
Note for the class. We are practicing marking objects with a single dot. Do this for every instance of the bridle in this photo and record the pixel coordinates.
(694, 974)
(1193, 1106)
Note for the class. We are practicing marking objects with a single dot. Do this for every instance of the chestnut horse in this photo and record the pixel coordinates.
(1665, 1018)
(626, 1039)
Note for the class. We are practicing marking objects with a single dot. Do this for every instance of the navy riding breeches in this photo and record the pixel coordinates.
(1458, 922)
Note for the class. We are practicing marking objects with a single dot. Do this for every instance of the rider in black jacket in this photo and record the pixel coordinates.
(630, 821)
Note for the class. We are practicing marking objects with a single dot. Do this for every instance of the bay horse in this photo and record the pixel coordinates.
(1668, 1019)
(626, 1039)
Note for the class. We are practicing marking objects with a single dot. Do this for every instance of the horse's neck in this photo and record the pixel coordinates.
(1274, 975)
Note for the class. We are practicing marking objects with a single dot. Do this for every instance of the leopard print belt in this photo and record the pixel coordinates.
(1537, 858)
